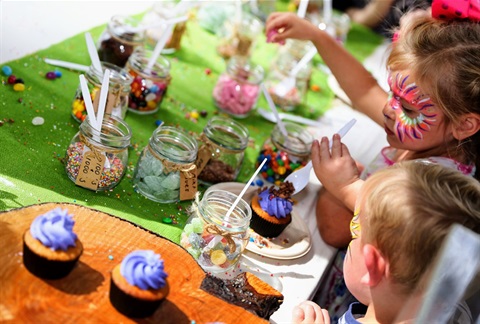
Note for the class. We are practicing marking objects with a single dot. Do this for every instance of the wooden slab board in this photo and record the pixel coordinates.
(82, 296)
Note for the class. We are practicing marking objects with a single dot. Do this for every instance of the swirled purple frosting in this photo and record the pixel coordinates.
(54, 229)
(144, 269)
(274, 205)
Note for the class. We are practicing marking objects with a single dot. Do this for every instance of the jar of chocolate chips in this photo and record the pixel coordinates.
(221, 153)
(119, 40)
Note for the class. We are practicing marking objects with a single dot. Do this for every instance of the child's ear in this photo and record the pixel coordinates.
(376, 265)
(468, 126)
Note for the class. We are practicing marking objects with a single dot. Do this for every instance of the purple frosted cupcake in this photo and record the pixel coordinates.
(50, 247)
(139, 284)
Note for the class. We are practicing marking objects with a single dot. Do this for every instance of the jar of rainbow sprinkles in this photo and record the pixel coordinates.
(285, 154)
(149, 84)
(213, 237)
(97, 160)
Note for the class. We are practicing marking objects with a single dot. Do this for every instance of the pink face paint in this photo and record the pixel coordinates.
(406, 126)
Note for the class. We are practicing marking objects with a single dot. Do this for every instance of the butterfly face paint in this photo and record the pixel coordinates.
(415, 111)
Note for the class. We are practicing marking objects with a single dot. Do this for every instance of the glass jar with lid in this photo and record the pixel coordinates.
(166, 171)
(120, 38)
(287, 99)
(285, 154)
(221, 153)
(213, 237)
(238, 35)
(118, 92)
(149, 85)
(97, 160)
(237, 89)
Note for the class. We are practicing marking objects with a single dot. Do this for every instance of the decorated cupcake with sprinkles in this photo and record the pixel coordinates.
(271, 210)
(139, 284)
(50, 247)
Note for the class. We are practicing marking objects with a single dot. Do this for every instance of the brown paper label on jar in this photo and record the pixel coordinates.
(188, 185)
(203, 156)
(90, 170)
(109, 105)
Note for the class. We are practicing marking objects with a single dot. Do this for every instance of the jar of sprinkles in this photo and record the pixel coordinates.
(237, 90)
(98, 160)
(213, 239)
(119, 40)
(118, 91)
(221, 153)
(285, 154)
(149, 86)
(166, 171)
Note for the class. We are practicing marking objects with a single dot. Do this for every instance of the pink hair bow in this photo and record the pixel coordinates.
(456, 9)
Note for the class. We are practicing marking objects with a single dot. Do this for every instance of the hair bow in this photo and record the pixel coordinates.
(456, 9)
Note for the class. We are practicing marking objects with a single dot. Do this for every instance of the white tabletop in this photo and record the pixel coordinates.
(28, 26)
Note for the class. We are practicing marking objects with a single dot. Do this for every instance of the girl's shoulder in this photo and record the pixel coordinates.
(451, 163)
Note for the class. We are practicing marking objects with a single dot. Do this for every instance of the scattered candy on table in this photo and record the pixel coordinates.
(6, 70)
(37, 121)
(52, 75)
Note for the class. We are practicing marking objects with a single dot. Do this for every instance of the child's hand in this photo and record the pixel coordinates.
(337, 171)
(281, 25)
(309, 313)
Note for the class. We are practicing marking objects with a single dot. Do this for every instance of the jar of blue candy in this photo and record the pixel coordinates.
(166, 171)
(149, 85)
(213, 237)
(284, 154)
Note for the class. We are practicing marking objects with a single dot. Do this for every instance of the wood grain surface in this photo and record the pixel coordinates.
(82, 296)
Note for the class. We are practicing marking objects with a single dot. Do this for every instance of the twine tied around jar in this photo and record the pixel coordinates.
(212, 228)
(90, 146)
(188, 169)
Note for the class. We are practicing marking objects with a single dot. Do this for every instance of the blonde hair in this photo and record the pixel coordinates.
(444, 58)
(409, 209)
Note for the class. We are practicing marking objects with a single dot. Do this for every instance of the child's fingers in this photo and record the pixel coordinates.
(324, 149)
(298, 315)
(336, 146)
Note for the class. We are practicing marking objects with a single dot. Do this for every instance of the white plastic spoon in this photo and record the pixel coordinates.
(284, 86)
(300, 178)
(270, 116)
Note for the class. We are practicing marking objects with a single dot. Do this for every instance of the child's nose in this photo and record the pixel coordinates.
(388, 112)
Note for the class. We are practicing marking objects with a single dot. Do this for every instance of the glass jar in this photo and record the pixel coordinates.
(285, 154)
(97, 160)
(118, 41)
(166, 171)
(223, 147)
(238, 88)
(149, 86)
(238, 34)
(161, 11)
(118, 91)
(213, 239)
(279, 72)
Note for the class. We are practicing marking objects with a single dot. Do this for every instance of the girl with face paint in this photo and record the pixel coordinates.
(431, 113)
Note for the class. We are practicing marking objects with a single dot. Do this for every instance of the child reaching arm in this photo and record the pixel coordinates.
(432, 111)
(402, 216)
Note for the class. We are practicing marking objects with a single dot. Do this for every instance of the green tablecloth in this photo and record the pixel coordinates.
(31, 162)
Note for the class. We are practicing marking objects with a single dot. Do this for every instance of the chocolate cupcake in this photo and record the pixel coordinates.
(271, 210)
(50, 247)
(139, 284)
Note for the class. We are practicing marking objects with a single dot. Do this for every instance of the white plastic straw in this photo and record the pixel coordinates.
(159, 47)
(327, 12)
(92, 51)
(235, 203)
(302, 8)
(103, 98)
(275, 111)
(88, 102)
(68, 65)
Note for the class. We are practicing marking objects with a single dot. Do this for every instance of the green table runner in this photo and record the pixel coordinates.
(31, 163)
